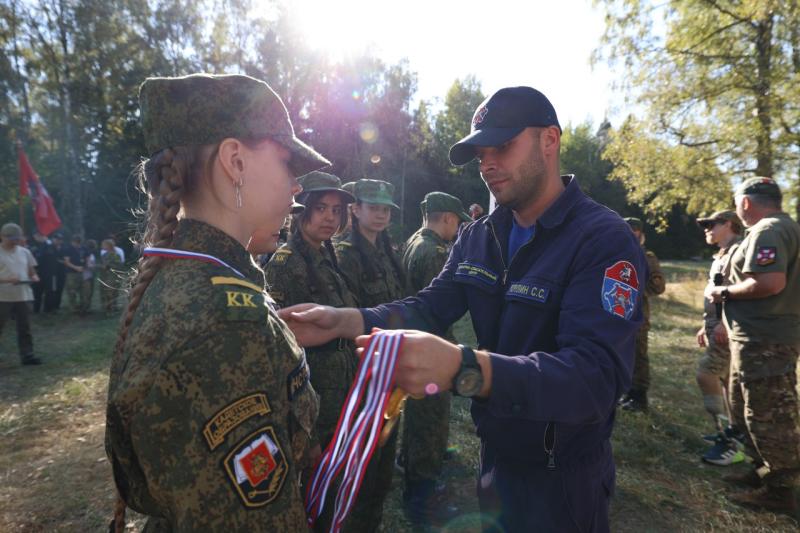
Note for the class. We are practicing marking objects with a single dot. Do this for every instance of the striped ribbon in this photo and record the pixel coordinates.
(172, 253)
(356, 434)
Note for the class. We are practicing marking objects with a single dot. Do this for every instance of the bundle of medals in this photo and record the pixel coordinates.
(358, 433)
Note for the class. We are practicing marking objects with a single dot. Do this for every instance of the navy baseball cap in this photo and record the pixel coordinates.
(503, 116)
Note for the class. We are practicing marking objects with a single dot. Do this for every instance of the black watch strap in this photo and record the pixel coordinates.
(468, 358)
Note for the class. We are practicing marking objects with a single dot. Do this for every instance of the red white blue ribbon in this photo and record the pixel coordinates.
(172, 253)
(356, 434)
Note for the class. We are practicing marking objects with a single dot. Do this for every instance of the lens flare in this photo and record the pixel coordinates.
(375, 159)
(368, 132)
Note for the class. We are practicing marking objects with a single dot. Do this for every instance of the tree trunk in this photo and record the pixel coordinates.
(764, 153)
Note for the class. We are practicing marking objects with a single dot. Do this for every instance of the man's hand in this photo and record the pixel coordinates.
(714, 293)
(720, 334)
(701, 337)
(314, 324)
(424, 359)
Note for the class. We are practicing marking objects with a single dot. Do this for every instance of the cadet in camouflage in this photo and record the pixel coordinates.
(305, 270)
(210, 409)
(375, 275)
(427, 420)
(761, 310)
(636, 398)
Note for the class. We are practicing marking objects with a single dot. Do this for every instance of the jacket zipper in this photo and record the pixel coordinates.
(550, 429)
(506, 268)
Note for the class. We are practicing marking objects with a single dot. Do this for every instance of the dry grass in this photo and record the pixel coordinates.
(54, 475)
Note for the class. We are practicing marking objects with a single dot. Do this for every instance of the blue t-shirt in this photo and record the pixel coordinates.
(517, 237)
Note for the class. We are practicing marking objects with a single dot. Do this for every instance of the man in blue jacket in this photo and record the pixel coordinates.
(553, 283)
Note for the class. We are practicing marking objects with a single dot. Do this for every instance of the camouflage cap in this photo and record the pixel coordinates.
(322, 182)
(759, 185)
(441, 202)
(205, 109)
(11, 231)
(635, 223)
(349, 186)
(374, 192)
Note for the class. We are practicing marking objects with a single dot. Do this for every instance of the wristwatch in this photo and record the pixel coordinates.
(469, 379)
(725, 294)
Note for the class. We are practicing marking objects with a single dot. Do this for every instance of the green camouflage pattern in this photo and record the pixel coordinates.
(764, 404)
(205, 109)
(321, 182)
(374, 192)
(203, 346)
(72, 286)
(426, 423)
(759, 185)
(441, 202)
(654, 285)
(369, 292)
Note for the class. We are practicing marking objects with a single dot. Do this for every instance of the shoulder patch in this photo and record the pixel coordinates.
(224, 280)
(766, 255)
(620, 289)
(298, 378)
(257, 467)
(232, 415)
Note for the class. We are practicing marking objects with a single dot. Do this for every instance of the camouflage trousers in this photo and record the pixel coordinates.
(72, 287)
(717, 358)
(641, 362)
(426, 427)
(764, 403)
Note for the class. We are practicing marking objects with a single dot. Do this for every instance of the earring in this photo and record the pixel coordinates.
(237, 191)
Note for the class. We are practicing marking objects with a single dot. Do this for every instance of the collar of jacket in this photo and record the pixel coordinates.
(196, 236)
(319, 255)
(427, 232)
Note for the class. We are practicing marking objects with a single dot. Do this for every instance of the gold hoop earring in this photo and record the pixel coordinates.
(237, 191)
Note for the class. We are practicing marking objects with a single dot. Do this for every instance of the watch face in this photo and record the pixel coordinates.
(469, 382)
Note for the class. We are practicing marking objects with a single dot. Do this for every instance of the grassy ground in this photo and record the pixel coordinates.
(54, 475)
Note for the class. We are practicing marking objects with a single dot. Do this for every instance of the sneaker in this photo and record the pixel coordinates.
(730, 433)
(634, 404)
(723, 453)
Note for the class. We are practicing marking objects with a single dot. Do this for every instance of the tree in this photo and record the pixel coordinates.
(717, 80)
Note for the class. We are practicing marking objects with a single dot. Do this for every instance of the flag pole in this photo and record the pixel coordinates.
(19, 193)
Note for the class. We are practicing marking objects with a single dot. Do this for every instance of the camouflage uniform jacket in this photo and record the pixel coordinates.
(333, 365)
(209, 404)
(720, 265)
(425, 256)
(369, 291)
(656, 284)
(109, 264)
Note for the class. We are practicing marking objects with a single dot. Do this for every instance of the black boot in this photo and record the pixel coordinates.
(424, 506)
(635, 400)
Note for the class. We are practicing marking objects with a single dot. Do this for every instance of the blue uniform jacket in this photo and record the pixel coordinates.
(559, 319)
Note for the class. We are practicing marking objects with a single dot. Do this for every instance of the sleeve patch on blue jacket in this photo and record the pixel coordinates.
(620, 289)
(476, 271)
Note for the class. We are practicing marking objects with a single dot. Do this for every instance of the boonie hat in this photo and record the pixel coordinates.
(374, 192)
(720, 216)
(445, 203)
(205, 108)
(322, 182)
(759, 185)
(503, 116)
(11, 231)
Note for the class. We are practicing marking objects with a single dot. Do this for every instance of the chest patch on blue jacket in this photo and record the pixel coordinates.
(476, 271)
(528, 291)
(620, 289)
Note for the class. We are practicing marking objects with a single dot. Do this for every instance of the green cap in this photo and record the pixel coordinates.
(205, 109)
(321, 182)
(11, 231)
(349, 187)
(374, 192)
(635, 223)
(759, 185)
(444, 203)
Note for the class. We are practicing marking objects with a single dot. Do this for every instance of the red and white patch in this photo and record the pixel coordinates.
(479, 116)
(620, 289)
(766, 255)
(257, 467)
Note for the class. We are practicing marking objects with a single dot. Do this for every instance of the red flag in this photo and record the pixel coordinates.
(47, 220)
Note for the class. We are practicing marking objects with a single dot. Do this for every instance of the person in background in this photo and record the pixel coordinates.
(17, 272)
(636, 398)
(108, 275)
(42, 250)
(475, 211)
(87, 276)
(120, 251)
(74, 256)
(55, 288)
(724, 230)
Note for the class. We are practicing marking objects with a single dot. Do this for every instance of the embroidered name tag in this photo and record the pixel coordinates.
(476, 271)
(528, 291)
(298, 378)
(232, 415)
(257, 467)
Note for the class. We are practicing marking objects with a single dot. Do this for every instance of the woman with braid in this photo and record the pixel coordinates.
(305, 270)
(375, 275)
(210, 410)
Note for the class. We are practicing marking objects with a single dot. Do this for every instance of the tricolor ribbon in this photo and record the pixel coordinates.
(357, 433)
(172, 253)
